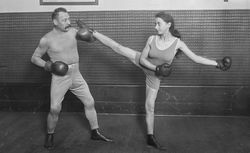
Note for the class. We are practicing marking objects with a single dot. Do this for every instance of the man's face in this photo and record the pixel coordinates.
(62, 22)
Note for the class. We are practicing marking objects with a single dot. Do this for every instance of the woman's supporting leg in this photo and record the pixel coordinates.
(151, 95)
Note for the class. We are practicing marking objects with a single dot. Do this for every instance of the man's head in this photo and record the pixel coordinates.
(60, 18)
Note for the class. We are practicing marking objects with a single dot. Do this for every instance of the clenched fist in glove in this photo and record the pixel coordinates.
(224, 64)
(58, 67)
(84, 33)
(163, 70)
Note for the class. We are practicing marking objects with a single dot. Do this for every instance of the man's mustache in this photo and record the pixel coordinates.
(68, 26)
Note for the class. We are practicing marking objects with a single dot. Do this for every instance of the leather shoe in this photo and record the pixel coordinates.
(152, 142)
(96, 135)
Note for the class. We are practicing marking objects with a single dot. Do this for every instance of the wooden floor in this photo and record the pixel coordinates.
(23, 132)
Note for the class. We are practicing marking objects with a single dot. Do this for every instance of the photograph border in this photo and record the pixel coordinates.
(69, 2)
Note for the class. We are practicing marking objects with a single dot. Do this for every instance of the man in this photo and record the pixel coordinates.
(61, 46)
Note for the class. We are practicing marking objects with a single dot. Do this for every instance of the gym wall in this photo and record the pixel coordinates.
(213, 29)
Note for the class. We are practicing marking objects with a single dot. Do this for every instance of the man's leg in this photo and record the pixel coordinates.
(81, 90)
(59, 87)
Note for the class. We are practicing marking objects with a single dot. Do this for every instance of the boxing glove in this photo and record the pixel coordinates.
(84, 33)
(58, 68)
(224, 64)
(163, 70)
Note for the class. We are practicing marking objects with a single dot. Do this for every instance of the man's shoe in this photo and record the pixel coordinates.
(49, 141)
(95, 135)
(152, 142)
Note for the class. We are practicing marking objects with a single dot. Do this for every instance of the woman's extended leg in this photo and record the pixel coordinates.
(118, 48)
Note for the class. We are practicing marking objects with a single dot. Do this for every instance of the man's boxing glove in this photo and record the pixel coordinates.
(163, 70)
(57, 68)
(224, 64)
(84, 33)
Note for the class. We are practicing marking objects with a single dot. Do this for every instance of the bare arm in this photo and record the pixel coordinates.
(194, 57)
(144, 56)
(39, 52)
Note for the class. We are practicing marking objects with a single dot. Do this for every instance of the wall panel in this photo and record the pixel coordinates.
(116, 84)
(212, 34)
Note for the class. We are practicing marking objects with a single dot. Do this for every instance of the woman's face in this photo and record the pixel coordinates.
(161, 26)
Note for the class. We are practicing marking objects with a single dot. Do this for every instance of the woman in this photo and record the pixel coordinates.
(155, 60)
